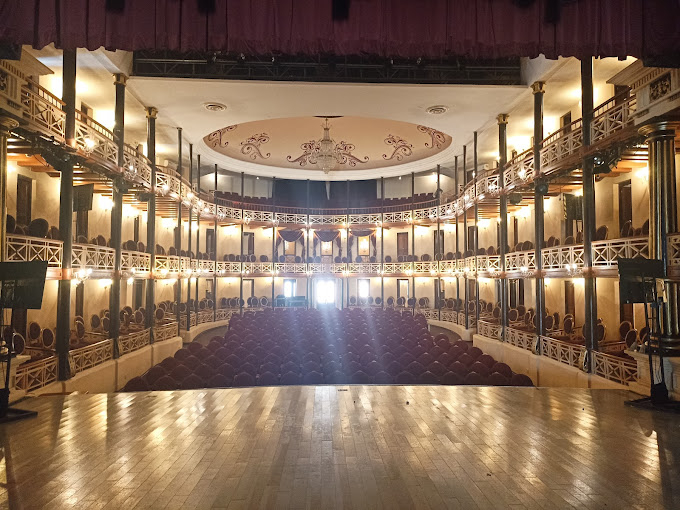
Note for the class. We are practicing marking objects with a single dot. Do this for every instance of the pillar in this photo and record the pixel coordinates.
(199, 210)
(151, 113)
(502, 161)
(118, 188)
(663, 217)
(476, 240)
(589, 289)
(538, 91)
(178, 237)
(466, 289)
(189, 207)
(66, 217)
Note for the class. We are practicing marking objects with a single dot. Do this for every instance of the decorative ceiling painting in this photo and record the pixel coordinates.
(328, 144)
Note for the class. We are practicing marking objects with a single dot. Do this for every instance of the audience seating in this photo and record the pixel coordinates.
(351, 346)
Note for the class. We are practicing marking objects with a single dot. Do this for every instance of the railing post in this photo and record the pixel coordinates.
(538, 92)
(118, 189)
(66, 217)
(502, 162)
(589, 291)
(151, 113)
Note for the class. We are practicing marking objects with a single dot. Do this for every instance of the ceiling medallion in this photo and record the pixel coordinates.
(214, 107)
(437, 109)
(437, 138)
(251, 146)
(326, 154)
(215, 138)
(401, 150)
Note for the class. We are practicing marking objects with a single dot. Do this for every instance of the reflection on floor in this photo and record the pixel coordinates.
(342, 447)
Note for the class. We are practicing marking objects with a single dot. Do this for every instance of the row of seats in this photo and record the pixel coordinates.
(327, 204)
(356, 346)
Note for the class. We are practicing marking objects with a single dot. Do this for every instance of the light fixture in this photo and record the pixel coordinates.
(214, 107)
(89, 145)
(437, 109)
(327, 156)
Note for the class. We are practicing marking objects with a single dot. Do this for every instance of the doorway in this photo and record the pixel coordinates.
(402, 244)
(325, 293)
(625, 207)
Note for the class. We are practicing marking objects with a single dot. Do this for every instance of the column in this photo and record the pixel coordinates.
(538, 91)
(240, 295)
(274, 234)
(66, 217)
(466, 289)
(190, 195)
(214, 249)
(118, 188)
(199, 210)
(382, 242)
(502, 161)
(589, 289)
(151, 113)
(455, 213)
(663, 216)
(178, 237)
(476, 239)
(413, 241)
(438, 248)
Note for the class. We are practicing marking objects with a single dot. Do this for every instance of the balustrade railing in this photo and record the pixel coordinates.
(569, 257)
(43, 111)
(674, 250)
(561, 144)
(95, 140)
(519, 338)
(89, 356)
(563, 352)
(522, 261)
(33, 375)
(136, 260)
(25, 249)
(166, 331)
(489, 329)
(605, 253)
(615, 368)
(612, 116)
(133, 341)
(90, 256)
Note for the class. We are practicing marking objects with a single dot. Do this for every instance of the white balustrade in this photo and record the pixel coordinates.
(605, 253)
(95, 140)
(522, 339)
(567, 257)
(36, 374)
(615, 368)
(91, 256)
(522, 261)
(136, 260)
(489, 329)
(562, 352)
(90, 356)
(26, 249)
(43, 111)
(612, 116)
(133, 341)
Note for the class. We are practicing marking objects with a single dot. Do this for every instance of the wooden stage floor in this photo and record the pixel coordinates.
(342, 447)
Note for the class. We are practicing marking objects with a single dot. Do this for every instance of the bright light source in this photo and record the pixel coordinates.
(105, 203)
(484, 223)
(89, 144)
(642, 173)
(578, 192)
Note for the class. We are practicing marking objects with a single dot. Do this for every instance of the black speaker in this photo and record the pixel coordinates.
(9, 51)
(541, 185)
(515, 198)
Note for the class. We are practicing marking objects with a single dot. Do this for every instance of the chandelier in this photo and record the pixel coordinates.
(327, 157)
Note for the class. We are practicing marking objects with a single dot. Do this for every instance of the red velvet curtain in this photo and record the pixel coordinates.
(402, 28)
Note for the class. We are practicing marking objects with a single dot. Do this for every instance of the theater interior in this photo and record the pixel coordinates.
(339, 254)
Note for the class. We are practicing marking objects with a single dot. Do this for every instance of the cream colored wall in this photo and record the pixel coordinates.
(45, 194)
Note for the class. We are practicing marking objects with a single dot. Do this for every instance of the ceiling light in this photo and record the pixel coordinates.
(437, 109)
(214, 107)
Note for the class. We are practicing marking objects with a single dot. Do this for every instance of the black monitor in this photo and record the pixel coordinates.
(22, 284)
(82, 197)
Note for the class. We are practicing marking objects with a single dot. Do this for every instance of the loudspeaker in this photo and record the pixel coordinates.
(515, 198)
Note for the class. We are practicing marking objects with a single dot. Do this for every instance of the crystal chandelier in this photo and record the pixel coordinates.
(326, 158)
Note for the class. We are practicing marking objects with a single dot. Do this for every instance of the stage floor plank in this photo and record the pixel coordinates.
(342, 447)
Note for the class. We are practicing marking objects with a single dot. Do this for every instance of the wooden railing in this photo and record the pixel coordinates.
(563, 352)
(615, 368)
(90, 356)
(37, 374)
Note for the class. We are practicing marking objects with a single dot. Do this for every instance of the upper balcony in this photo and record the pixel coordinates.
(43, 113)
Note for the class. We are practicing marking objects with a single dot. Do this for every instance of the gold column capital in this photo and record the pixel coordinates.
(538, 87)
(503, 118)
(8, 123)
(661, 129)
(120, 79)
(151, 112)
